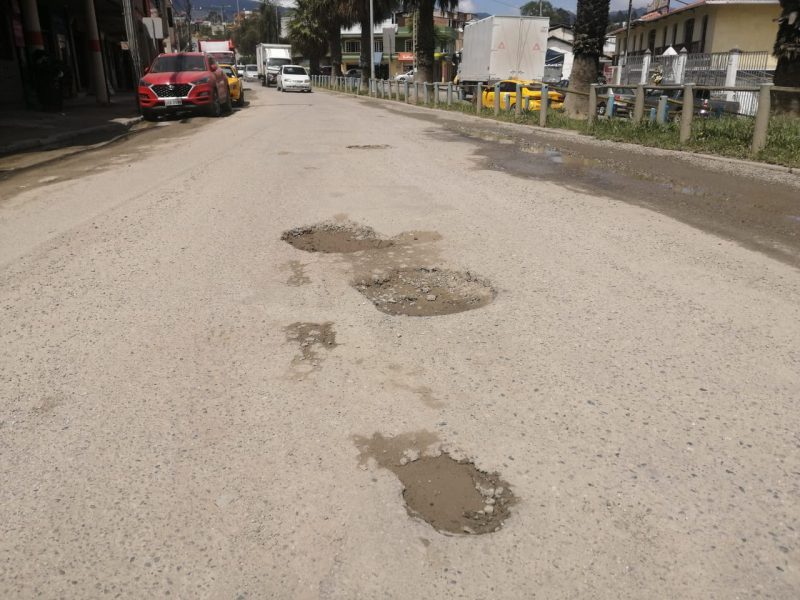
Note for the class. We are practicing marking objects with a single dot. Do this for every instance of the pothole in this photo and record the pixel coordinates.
(425, 292)
(451, 495)
(368, 147)
(334, 238)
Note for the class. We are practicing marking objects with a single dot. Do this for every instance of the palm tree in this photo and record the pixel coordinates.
(381, 10)
(787, 51)
(307, 33)
(427, 34)
(590, 34)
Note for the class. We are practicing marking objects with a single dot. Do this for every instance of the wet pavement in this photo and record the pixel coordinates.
(723, 198)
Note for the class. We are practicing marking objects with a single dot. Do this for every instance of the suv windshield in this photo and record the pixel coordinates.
(294, 71)
(172, 64)
(278, 62)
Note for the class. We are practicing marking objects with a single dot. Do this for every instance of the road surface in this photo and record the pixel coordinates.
(192, 407)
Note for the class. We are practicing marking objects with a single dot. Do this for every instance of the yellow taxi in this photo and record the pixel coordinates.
(234, 83)
(508, 89)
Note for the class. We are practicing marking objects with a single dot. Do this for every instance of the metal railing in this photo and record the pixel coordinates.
(449, 94)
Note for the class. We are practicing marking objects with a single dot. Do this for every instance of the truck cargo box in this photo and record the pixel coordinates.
(498, 48)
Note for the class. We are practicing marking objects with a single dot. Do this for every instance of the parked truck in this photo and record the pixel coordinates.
(221, 50)
(270, 59)
(497, 48)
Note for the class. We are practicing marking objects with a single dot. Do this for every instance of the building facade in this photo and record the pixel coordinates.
(86, 41)
(705, 26)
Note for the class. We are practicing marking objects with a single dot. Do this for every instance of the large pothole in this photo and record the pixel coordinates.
(453, 496)
(334, 238)
(425, 292)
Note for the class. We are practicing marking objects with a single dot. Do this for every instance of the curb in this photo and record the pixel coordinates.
(62, 138)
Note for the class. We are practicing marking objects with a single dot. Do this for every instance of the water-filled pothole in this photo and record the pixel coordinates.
(334, 238)
(368, 147)
(425, 292)
(451, 495)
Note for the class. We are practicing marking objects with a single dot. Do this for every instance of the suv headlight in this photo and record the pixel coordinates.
(143, 83)
(202, 80)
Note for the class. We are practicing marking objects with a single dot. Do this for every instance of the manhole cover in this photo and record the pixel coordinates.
(451, 495)
(334, 238)
(424, 292)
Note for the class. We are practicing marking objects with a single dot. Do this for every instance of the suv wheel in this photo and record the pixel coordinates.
(227, 108)
(214, 109)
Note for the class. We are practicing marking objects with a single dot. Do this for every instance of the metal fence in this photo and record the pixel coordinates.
(731, 69)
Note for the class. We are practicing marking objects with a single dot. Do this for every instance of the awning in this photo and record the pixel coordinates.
(405, 56)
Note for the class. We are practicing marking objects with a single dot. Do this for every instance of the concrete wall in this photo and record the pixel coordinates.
(749, 28)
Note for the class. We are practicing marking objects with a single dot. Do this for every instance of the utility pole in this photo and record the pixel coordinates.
(628, 33)
(371, 40)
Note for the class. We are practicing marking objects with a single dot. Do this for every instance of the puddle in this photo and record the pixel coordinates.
(450, 495)
(310, 337)
(334, 238)
(425, 292)
(369, 147)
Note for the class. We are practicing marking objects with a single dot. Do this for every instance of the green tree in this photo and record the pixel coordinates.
(360, 11)
(427, 34)
(558, 16)
(307, 33)
(261, 28)
(787, 51)
(590, 33)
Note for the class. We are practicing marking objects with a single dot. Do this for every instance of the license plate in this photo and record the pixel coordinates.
(172, 102)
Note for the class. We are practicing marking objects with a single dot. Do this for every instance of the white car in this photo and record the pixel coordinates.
(293, 78)
(407, 76)
(250, 72)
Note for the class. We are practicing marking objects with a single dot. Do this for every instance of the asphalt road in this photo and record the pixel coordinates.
(163, 431)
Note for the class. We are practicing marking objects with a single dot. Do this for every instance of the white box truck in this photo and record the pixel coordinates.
(270, 58)
(221, 50)
(498, 48)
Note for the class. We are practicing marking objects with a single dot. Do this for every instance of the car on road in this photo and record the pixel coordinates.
(406, 76)
(353, 73)
(293, 78)
(530, 89)
(234, 84)
(183, 82)
(251, 72)
(623, 103)
(705, 106)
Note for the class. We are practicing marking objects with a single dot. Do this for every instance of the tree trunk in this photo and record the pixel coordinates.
(590, 34)
(313, 64)
(787, 74)
(584, 73)
(366, 51)
(426, 42)
(787, 49)
(335, 44)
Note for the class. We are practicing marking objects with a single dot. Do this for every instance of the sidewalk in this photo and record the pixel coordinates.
(81, 122)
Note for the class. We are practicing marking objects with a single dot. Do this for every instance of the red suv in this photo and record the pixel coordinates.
(184, 81)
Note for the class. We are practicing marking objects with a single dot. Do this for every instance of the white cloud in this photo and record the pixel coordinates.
(468, 6)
